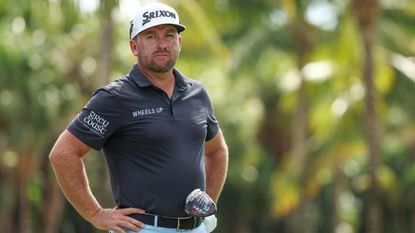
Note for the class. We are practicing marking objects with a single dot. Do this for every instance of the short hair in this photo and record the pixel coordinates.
(131, 29)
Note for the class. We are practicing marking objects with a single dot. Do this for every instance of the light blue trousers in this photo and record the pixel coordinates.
(153, 229)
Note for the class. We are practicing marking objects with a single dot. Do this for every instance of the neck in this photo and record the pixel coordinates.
(165, 81)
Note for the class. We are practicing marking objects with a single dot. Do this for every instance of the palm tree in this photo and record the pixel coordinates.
(366, 13)
(285, 135)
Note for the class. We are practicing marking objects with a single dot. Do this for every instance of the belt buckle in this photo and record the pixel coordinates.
(182, 230)
(178, 226)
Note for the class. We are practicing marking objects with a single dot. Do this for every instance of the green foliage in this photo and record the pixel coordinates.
(253, 57)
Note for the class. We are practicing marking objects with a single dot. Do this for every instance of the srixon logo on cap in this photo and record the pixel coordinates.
(147, 16)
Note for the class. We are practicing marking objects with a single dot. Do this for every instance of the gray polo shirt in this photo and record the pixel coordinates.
(153, 144)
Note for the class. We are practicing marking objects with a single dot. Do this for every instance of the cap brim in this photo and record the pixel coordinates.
(179, 28)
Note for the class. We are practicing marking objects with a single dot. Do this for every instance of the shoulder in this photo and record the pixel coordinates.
(122, 88)
(108, 96)
(196, 83)
(115, 86)
(192, 84)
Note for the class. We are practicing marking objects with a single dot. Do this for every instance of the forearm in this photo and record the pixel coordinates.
(71, 175)
(216, 165)
(72, 178)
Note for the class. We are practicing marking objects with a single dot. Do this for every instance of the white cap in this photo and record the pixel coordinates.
(152, 15)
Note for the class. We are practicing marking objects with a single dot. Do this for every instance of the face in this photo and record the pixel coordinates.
(157, 48)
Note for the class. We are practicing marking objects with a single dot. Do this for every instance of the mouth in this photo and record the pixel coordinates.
(161, 58)
(161, 55)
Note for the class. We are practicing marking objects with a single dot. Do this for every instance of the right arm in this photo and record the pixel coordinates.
(66, 160)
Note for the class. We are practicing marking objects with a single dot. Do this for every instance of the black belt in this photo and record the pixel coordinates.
(185, 223)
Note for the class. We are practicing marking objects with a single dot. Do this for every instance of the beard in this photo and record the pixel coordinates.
(161, 68)
(155, 67)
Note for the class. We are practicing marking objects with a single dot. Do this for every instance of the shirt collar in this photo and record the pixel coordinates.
(142, 81)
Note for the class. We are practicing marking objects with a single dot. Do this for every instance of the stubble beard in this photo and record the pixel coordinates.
(161, 68)
(157, 68)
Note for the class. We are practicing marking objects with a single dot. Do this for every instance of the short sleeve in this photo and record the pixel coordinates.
(212, 123)
(98, 120)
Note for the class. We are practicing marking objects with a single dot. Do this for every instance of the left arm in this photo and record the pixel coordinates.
(216, 165)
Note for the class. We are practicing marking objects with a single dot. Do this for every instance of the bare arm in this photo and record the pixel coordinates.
(216, 164)
(66, 160)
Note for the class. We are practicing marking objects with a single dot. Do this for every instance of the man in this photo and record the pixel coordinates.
(158, 133)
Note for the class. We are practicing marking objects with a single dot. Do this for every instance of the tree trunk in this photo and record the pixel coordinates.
(107, 44)
(103, 78)
(25, 169)
(366, 12)
(373, 214)
(338, 187)
(300, 154)
(53, 208)
(53, 204)
(300, 128)
(9, 189)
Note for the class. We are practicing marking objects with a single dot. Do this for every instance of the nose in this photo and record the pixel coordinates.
(162, 42)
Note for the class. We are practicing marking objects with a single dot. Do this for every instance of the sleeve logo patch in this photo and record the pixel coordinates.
(96, 123)
(147, 111)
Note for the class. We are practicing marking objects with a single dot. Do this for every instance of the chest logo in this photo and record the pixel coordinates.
(147, 111)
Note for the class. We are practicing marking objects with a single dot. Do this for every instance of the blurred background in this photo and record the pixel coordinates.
(315, 98)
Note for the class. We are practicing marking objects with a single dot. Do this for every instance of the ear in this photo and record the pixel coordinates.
(180, 43)
(134, 47)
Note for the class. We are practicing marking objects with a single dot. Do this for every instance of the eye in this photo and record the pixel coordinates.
(150, 36)
(171, 35)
